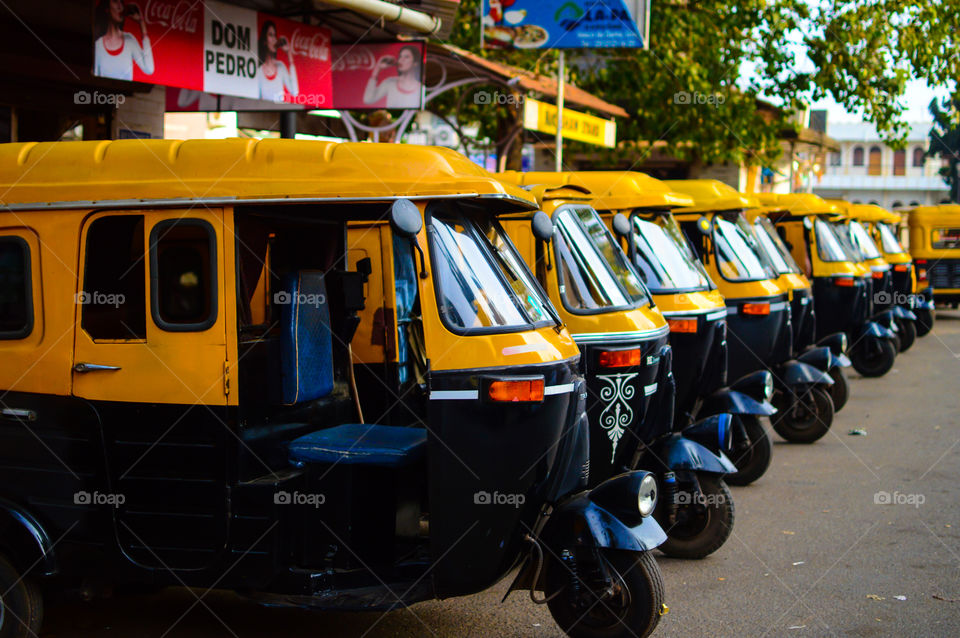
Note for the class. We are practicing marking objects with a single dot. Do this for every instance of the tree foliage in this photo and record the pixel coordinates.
(945, 141)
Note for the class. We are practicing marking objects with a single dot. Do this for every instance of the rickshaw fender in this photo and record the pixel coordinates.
(800, 373)
(683, 454)
(731, 401)
(902, 313)
(924, 304)
(874, 329)
(837, 342)
(819, 357)
(841, 360)
(26, 540)
(579, 521)
(714, 433)
(886, 320)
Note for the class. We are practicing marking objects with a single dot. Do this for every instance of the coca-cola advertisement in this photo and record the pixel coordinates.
(213, 47)
(378, 76)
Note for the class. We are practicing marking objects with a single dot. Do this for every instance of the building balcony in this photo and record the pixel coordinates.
(882, 183)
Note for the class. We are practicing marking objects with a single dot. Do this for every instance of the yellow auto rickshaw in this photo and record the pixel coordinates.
(802, 314)
(885, 230)
(842, 287)
(759, 323)
(626, 360)
(695, 311)
(181, 406)
(935, 246)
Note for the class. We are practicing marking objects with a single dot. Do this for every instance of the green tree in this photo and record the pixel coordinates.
(945, 141)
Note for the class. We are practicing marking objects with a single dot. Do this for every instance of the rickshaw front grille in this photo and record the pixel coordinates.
(945, 274)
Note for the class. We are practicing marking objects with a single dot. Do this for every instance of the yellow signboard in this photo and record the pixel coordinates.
(540, 116)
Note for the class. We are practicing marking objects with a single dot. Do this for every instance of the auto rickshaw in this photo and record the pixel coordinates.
(180, 405)
(853, 227)
(626, 360)
(886, 232)
(842, 289)
(760, 334)
(935, 246)
(802, 315)
(694, 309)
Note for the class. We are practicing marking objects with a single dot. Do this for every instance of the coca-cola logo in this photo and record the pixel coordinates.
(357, 58)
(315, 46)
(182, 15)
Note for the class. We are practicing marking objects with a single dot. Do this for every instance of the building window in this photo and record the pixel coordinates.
(914, 204)
(875, 166)
(918, 157)
(897, 204)
(183, 254)
(114, 296)
(836, 159)
(16, 291)
(900, 163)
(858, 156)
(873, 202)
(857, 201)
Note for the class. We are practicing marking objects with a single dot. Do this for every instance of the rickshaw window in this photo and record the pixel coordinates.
(863, 241)
(183, 258)
(842, 232)
(664, 259)
(889, 240)
(772, 245)
(737, 259)
(474, 293)
(113, 299)
(945, 238)
(587, 284)
(613, 255)
(829, 246)
(16, 293)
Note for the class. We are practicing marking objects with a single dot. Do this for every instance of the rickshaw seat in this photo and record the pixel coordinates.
(361, 444)
(306, 342)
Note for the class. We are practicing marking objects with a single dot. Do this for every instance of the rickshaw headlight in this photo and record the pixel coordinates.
(647, 495)
(768, 387)
(843, 342)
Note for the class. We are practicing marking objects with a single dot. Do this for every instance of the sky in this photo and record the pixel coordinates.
(917, 98)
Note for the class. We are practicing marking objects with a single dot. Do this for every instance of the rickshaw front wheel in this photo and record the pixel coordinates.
(21, 604)
(924, 323)
(752, 457)
(873, 360)
(629, 607)
(907, 331)
(703, 524)
(806, 419)
(840, 390)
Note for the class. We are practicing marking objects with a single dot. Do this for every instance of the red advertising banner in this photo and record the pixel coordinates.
(378, 76)
(209, 46)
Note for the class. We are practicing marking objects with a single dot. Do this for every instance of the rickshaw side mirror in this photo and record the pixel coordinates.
(621, 225)
(542, 226)
(703, 225)
(405, 219)
(807, 223)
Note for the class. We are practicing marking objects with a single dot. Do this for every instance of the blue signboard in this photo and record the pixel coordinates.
(565, 24)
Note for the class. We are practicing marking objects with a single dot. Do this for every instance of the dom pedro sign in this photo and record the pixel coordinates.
(213, 47)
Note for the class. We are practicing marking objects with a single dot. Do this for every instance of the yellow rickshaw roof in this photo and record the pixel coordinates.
(612, 190)
(711, 195)
(760, 211)
(934, 213)
(71, 174)
(798, 203)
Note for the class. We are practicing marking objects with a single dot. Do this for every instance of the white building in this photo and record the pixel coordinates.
(865, 170)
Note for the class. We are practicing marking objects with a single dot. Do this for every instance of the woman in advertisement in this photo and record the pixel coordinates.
(115, 50)
(273, 75)
(402, 91)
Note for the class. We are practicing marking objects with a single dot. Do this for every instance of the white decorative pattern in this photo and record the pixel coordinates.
(618, 414)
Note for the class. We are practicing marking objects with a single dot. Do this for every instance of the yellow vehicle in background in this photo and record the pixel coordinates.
(627, 363)
(842, 287)
(935, 246)
(885, 230)
(760, 335)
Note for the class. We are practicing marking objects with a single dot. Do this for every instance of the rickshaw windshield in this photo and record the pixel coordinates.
(863, 241)
(829, 246)
(945, 238)
(891, 245)
(772, 245)
(842, 231)
(481, 282)
(664, 260)
(588, 281)
(737, 253)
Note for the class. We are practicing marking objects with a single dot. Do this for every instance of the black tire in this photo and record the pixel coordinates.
(924, 323)
(707, 529)
(752, 457)
(21, 607)
(840, 390)
(907, 333)
(604, 618)
(806, 422)
(873, 360)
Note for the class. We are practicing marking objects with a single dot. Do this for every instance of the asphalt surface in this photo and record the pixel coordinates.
(812, 552)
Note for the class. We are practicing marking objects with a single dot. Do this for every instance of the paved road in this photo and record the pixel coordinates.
(812, 553)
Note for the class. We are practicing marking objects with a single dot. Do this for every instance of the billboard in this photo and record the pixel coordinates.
(378, 76)
(567, 24)
(212, 47)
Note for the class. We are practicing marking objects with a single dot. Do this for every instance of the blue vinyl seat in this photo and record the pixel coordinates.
(361, 444)
(306, 341)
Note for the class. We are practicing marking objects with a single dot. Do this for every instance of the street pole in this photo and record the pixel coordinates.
(561, 76)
